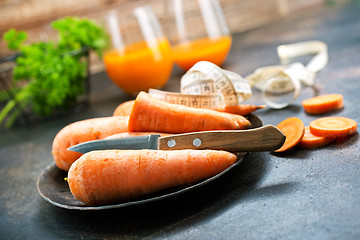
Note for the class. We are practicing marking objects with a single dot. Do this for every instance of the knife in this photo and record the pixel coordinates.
(266, 138)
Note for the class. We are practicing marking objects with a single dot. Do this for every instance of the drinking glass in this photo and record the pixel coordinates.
(140, 54)
(197, 31)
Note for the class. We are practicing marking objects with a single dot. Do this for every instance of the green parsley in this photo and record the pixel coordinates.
(55, 73)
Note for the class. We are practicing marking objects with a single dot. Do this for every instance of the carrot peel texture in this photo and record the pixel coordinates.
(152, 115)
(110, 176)
(242, 109)
(124, 109)
(82, 131)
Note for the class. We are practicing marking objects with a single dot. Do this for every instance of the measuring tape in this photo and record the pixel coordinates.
(287, 78)
(205, 85)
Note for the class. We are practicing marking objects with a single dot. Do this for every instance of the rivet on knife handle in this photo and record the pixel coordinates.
(266, 138)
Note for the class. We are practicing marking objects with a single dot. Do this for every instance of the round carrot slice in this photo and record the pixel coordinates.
(293, 128)
(310, 140)
(324, 103)
(333, 126)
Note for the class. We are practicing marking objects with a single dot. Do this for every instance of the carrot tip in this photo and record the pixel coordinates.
(262, 106)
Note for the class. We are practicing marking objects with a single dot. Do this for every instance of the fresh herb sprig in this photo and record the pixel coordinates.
(55, 74)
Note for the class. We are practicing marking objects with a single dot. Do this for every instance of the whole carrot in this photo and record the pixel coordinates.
(242, 109)
(109, 176)
(82, 131)
(124, 109)
(152, 115)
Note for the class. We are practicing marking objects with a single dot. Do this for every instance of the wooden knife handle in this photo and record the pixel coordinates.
(266, 138)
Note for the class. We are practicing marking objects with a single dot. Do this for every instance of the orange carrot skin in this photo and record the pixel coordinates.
(124, 109)
(152, 115)
(135, 134)
(333, 126)
(82, 131)
(242, 109)
(310, 140)
(323, 103)
(293, 128)
(109, 176)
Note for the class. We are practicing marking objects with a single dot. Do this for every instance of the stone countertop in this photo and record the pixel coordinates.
(300, 194)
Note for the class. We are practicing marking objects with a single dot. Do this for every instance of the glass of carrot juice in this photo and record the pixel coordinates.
(140, 55)
(197, 31)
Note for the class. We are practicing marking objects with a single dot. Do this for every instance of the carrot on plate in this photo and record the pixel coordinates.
(333, 126)
(310, 140)
(323, 103)
(109, 176)
(153, 115)
(82, 131)
(124, 109)
(293, 128)
(241, 109)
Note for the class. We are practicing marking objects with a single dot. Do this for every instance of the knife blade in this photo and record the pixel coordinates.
(266, 138)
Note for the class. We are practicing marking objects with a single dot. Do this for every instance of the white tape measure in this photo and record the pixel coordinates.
(206, 85)
(280, 85)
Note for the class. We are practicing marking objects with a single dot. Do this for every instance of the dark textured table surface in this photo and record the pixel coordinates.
(301, 194)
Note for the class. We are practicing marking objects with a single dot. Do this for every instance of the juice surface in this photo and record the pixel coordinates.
(205, 49)
(139, 67)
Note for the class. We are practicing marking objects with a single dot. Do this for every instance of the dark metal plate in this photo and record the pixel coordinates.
(54, 189)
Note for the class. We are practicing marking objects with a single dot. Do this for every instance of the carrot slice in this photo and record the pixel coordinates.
(310, 140)
(324, 103)
(341, 139)
(293, 128)
(333, 126)
(109, 176)
(153, 115)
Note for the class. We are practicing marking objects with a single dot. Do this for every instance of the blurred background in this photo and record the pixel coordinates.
(34, 16)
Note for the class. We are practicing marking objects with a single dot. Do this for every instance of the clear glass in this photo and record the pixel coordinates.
(197, 31)
(140, 57)
(280, 91)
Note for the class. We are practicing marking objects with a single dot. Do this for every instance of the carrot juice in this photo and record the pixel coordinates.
(205, 49)
(139, 67)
